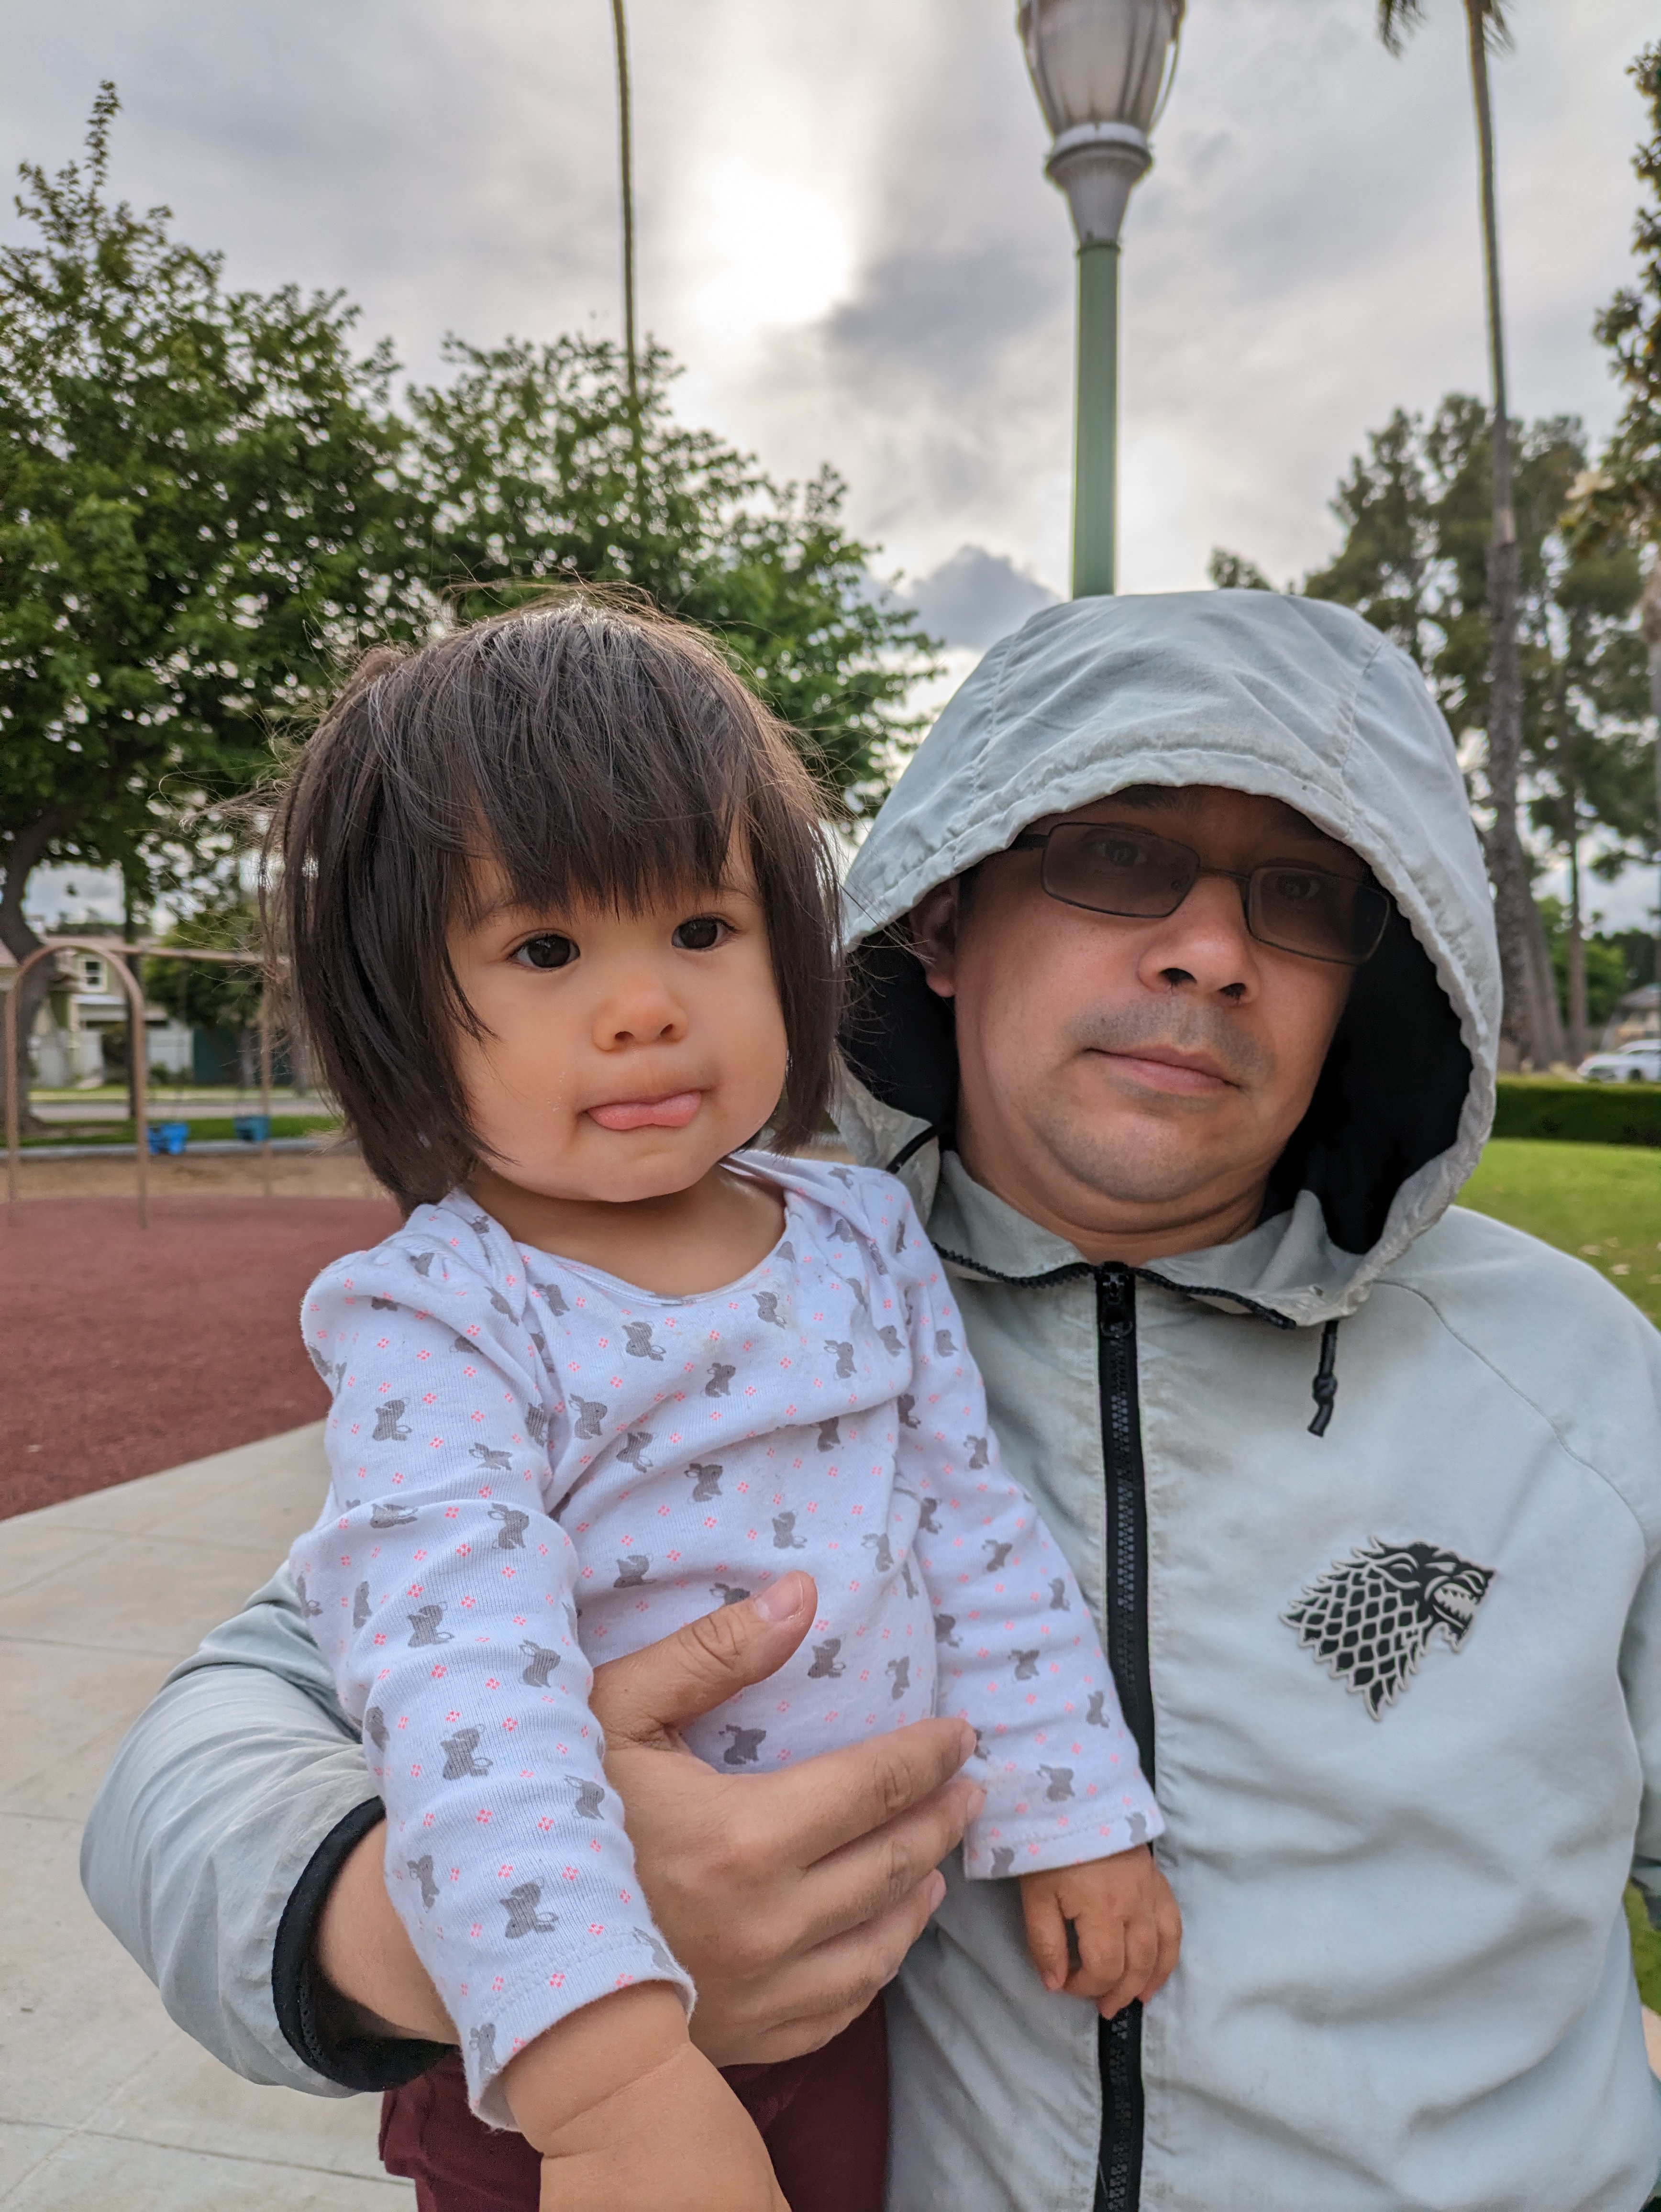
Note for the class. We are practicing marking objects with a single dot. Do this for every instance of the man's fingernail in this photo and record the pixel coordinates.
(784, 1599)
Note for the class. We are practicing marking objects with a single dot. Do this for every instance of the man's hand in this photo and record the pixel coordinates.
(627, 2115)
(1126, 1928)
(790, 1897)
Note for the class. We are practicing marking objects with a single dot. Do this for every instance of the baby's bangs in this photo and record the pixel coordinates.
(601, 763)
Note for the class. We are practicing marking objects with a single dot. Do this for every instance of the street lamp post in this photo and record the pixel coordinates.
(1100, 69)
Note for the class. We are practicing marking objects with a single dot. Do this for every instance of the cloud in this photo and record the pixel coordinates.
(975, 599)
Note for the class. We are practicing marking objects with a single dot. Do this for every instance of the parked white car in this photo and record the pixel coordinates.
(1637, 1062)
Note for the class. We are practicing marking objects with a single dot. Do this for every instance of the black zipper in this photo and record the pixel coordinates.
(1119, 2181)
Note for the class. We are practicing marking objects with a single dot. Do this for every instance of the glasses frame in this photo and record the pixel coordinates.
(1037, 841)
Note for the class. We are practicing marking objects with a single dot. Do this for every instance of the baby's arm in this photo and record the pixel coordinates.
(1124, 1929)
(626, 2112)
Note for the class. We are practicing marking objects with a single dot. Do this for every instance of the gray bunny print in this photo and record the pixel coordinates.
(361, 1606)
(927, 1524)
(631, 1573)
(706, 1480)
(862, 1303)
(501, 1460)
(465, 1344)
(899, 1237)
(308, 1606)
(543, 1663)
(785, 1538)
(908, 1411)
(1138, 1829)
(591, 1415)
(767, 1308)
(389, 1423)
(884, 1561)
(719, 1375)
(843, 1176)
(843, 1231)
(536, 1423)
(555, 1299)
(1058, 1598)
(523, 1919)
(944, 1625)
(374, 1727)
(633, 1452)
(459, 1758)
(482, 2041)
(661, 1958)
(421, 1261)
(830, 1433)
(945, 1345)
(1003, 1858)
(745, 1748)
(900, 1671)
(421, 1869)
(383, 1305)
(1026, 1666)
(976, 1447)
(641, 1345)
(997, 1554)
(1095, 1718)
(728, 1593)
(1060, 1784)
(480, 1226)
(501, 1305)
(386, 1514)
(826, 1667)
(889, 1337)
(589, 1799)
(424, 1624)
(788, 1253)
(905, 1572)
(844, 1356)
(510, 1537)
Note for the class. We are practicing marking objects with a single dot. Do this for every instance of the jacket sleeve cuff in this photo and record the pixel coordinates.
(321, 2027)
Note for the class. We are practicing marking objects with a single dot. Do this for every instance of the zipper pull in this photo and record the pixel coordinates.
(1114, 1292)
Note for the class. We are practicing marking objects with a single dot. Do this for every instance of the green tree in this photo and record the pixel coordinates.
(1622, 498)
(210, 994)
(200, 507)
(527, 460)
(1525, 996)
(1414, 512)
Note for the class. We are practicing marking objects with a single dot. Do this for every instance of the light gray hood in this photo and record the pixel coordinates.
(1295, 699)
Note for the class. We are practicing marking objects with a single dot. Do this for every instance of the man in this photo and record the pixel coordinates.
(1176, 1004)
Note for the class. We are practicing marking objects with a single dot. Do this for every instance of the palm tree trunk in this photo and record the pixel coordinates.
(1508, 862)
(1577, 947)
(626, 167)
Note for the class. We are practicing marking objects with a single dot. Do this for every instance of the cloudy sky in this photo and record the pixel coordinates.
(847, 238)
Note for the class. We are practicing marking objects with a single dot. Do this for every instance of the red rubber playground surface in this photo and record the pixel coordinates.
(125, 1350)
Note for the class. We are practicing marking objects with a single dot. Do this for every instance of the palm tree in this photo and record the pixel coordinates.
(1531, 1018)
(626, 167)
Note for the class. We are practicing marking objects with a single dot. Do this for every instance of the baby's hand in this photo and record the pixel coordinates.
(1126, 1928)
(630, 2117)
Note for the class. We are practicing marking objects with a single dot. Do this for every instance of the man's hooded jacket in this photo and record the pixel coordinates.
(1368, 1504)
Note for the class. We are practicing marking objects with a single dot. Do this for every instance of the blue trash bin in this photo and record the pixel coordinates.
(168, 1137)
(252, 1128)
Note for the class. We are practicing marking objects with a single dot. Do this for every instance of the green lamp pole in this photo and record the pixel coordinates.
(1101, 69)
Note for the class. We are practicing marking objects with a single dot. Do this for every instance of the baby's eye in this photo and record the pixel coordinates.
(702, 935)
(549, 950)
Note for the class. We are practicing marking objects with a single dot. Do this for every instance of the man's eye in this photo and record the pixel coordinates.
(1300, 888)
(702, 935)
(550, 951)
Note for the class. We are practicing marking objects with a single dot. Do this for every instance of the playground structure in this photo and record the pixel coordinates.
(119, 956)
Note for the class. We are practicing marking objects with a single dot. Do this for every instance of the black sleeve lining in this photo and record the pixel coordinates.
(318, 2023)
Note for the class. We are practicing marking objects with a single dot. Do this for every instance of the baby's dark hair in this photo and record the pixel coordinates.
(600, 753)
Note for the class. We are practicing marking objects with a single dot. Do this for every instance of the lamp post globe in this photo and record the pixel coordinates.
(1101, 69)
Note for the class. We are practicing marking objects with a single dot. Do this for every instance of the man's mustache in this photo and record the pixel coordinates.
(1189, 1028)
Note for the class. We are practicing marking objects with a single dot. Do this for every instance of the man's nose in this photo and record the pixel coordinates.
(1205, 944)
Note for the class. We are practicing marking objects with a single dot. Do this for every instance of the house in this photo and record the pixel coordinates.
(86, 1011)
(1637, 1015)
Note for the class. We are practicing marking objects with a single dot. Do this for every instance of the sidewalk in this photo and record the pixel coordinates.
(103, 2102)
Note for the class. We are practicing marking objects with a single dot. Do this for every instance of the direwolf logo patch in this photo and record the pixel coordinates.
(1370, 1618)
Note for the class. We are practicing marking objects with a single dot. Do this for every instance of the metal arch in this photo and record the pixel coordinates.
(119, 951)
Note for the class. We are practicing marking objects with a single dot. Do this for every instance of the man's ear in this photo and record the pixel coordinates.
(934, 937)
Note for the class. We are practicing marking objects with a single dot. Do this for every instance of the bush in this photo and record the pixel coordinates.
(1581, 1113)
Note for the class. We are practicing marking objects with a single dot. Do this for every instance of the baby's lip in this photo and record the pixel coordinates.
(673, 1111)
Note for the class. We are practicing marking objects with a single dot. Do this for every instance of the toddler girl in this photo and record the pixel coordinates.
(562, 927)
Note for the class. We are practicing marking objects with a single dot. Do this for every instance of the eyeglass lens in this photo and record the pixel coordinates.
(1113, 869)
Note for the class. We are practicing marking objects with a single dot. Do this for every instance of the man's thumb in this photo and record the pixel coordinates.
(640, 1699)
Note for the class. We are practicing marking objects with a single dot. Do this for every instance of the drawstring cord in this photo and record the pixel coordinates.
(1324, 1388)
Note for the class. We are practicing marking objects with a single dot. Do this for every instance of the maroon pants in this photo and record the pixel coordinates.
(824, 2119)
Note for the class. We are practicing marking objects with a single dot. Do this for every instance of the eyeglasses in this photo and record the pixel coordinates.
(1112, 868)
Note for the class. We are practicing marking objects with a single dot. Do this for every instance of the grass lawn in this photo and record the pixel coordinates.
(1601, 1202)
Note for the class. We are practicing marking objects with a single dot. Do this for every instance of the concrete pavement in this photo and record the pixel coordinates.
(103, 2102)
